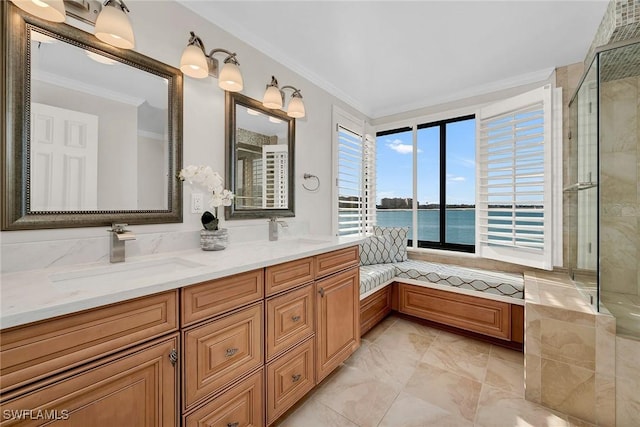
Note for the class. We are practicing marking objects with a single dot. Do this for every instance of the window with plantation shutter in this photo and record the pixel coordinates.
(514, 180)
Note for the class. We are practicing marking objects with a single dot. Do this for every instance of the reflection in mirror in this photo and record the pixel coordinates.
(260, 159)
(261, 164)
(92, 134)
(98, 131)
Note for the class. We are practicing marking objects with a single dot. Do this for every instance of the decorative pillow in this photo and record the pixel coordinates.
(376, 250)
(398, 236)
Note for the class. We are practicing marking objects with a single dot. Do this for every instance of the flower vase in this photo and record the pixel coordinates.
(214, 240)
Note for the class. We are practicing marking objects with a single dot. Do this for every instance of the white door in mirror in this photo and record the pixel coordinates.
(64, 159)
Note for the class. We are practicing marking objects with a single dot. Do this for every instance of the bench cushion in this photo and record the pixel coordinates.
(373, 276)
(498, 283)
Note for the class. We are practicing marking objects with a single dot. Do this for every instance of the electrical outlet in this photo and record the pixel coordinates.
(197, 201)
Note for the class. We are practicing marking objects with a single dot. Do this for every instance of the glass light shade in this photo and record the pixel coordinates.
(113, 27)
(193, 62)
(272, 98)
(296, 108)
(230, 78)
(50, 10)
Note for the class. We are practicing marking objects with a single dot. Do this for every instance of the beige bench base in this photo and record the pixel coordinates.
(488, 319)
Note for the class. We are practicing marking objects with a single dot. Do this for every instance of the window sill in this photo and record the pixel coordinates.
(452, 254)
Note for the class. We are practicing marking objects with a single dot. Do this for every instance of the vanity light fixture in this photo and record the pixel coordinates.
(196, 63)
(274, 98)
(50, 10)
(113, 25)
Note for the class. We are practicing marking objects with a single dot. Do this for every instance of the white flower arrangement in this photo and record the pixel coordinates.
(205, 177)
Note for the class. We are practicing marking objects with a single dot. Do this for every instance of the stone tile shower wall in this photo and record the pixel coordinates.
(619, 189)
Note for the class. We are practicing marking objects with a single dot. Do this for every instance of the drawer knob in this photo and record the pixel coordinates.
(321, 292)
(231, 351)
(236, 424)
(295, 378)
(295, 318)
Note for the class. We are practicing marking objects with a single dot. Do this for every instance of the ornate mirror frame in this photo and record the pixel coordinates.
(232, 100)
(15, 110)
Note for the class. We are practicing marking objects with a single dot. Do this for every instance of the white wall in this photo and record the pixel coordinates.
(162, 31)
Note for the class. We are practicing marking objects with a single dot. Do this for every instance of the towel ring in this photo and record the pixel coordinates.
(309, 176)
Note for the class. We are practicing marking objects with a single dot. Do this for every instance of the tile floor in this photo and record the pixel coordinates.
(408, 375)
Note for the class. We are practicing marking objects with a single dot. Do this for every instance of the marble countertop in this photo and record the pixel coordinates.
(29, 296)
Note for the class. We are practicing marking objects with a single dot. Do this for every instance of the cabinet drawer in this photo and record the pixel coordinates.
(289, 378)
(240, 406)
(288, 275)
(221, 351)
(484, 316)
(290, 319)
(137, 387)
(214, 297)
(37, 350)
(335, 261)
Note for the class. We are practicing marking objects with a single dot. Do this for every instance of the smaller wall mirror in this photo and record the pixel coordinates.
(260, 159)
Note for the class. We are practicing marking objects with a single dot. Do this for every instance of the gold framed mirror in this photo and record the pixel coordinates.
(93, 133)
(260, 153)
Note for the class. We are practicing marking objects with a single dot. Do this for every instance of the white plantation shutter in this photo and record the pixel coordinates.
(349, 182)
(514, 180)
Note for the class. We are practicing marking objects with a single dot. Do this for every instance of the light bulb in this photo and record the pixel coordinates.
(230, 78)
(296, 107)
(50, 10)
(272, 98)
(113, 27)
(193, 62)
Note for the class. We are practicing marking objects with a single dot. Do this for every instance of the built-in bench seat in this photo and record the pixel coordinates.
(480, 301)
(492, 282)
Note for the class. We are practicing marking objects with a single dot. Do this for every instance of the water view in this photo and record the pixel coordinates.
(460, 223)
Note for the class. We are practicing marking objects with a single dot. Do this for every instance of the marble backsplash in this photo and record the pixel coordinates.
(31, 250)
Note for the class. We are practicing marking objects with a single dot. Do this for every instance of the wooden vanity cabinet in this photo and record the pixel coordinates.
(239, 350)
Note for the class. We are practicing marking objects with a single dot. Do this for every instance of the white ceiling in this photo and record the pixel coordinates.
(387, 57)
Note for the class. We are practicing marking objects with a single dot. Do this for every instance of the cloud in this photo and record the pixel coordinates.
(399, 147)
(466, 162)
(452, 178)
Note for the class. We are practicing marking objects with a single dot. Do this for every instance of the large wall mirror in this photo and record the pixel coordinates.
(93, 133)
(260, 159)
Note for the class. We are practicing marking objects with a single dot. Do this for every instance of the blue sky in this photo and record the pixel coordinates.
(394, 164)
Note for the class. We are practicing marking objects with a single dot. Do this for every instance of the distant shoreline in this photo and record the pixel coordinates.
(425, 209)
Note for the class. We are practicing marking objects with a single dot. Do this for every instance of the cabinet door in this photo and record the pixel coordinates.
(337, 320)
(137, 388)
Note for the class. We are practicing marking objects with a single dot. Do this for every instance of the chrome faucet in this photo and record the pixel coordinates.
(119, 235)
(273, 228)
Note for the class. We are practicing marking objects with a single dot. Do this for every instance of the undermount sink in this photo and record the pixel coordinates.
(121, 273)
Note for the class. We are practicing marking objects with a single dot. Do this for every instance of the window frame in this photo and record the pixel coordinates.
(442, 244)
